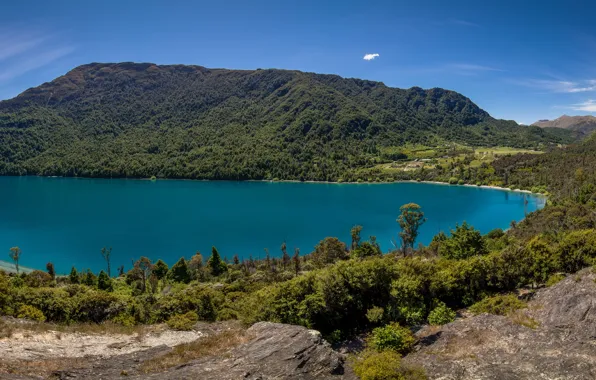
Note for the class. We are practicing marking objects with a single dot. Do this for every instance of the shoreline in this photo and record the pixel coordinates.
(295, 181)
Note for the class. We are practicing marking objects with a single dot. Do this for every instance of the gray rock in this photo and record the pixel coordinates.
(561, 345)
(277, 351)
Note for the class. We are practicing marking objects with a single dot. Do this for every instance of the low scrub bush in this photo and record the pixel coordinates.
(30, 312)
(183, 322)
(498, 305)
(392, 337)
(441, 315)
(385, 365)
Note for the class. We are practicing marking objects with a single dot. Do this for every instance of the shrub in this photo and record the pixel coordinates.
(183, 322)
(497, 233)
(5, 297)
(453, 180)
(499, 305)
(104, 282)
(180, 272)
(38, 279)
(375, 314)
(461, 182)
(30, 312)
(328, 251)
(124, 319)
(554, 279)
(441, 315)
(385, 365)
(465, 241)
(392, 337)
(334, 337)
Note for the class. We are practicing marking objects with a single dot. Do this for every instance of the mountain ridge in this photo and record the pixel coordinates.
(582, 126)
(180, 121)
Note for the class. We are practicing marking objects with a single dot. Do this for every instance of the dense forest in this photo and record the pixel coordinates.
(143, 120)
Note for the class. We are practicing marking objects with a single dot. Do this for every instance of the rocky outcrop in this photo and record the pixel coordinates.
(554, 338)
(277, 351)
(269, 351)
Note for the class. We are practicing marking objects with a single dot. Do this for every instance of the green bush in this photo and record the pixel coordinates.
(392, 337)
(464, 242)
(554, 279)
(441, 315)
(183, 322)
(375, 314)
(385, 365)
(498, 305)
(38, 279)
(453, 181)
(461, 182)
(30, 312)
(124, 319)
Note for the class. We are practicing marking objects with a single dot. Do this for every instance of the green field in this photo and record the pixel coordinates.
(419, 156)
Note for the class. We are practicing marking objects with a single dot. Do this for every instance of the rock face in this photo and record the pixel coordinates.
(554, 338)
(274, 351)
(277, 351)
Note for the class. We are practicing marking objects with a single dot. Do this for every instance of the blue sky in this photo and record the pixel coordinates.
(519, 60)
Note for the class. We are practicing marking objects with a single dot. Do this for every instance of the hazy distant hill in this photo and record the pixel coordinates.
(141, 119)
(580, 125)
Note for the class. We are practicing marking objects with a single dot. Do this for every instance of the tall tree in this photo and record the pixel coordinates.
(355, 232)
(145, 266)
(296, 260)
(410, 220)
(285, 258)
(160, 269)
(267, 260)
(15, 255)
(195, 266)
(104, 282)
(51, 270)
(106, 253)
(74, 276)
(179, 271)
(216, 263)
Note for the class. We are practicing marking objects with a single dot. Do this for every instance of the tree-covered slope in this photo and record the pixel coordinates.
(140, 120)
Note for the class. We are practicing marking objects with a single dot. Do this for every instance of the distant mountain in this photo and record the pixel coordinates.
(582, 126)
(141, 119)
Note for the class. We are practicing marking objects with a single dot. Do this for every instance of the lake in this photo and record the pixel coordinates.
(68, 220)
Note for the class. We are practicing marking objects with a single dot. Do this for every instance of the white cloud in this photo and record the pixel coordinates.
(463, 22)
(587, 106)
(370, 57)
(23, 50)
(473, 67)
(561, 86)
(34, 62)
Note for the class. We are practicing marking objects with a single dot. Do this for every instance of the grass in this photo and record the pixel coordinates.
(438, 155)
(40, 368)
(520, 318)
(212, 345)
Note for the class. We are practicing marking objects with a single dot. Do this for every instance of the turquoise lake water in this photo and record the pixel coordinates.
(68, 221)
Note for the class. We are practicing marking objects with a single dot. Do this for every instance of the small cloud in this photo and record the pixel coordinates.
(463, 23)
(473, 67)
(587, 106)
(370, 57)
(21, 52)
(560, 86)
(34, 62)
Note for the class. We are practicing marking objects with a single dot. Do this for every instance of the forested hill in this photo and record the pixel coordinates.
(141, 119)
